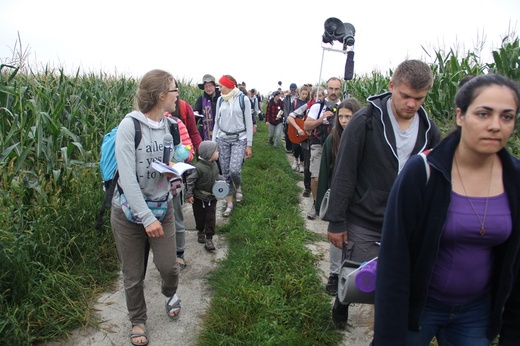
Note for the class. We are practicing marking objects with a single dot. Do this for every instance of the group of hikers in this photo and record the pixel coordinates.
(443, 225)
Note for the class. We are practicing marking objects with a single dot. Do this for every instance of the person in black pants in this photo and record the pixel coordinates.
(289, 105)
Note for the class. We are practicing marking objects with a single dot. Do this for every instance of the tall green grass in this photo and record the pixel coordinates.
(53, 262)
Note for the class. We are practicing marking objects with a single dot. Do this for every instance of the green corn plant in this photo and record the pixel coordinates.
(507, 58)
(361, 87)
(448, 69)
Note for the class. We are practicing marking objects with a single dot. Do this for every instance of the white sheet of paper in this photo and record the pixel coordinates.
(178, 168)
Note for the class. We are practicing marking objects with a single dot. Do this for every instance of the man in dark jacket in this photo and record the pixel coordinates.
(374, 148)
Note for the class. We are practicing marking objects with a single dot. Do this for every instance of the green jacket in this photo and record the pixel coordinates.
(199, 183)
(326, 169)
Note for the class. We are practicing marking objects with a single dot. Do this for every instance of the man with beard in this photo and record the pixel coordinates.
(318, 122)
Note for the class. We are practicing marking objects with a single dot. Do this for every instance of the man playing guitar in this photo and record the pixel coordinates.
(298, 136)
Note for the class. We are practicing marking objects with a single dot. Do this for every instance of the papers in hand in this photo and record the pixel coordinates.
(178, 168)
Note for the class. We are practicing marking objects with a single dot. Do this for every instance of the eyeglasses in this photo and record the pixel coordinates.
(175, 90)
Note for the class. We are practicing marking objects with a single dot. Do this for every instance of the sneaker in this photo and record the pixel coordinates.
(302, 170)
(340, 314)
(306, 193)
(311, 215)
(201, 237)
(228, 211)
(209, 245)
(332, 285)
(294, 166)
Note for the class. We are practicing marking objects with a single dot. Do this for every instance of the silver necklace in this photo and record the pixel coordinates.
(482, 221)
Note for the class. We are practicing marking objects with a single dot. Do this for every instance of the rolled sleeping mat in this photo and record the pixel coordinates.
(348, 289)
(220, 189)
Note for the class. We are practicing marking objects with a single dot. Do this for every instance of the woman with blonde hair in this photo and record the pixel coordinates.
(134, 218)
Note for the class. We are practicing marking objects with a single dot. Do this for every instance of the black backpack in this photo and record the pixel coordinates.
(320, 133)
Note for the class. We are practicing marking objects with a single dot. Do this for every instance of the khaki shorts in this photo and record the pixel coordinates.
(315, 162)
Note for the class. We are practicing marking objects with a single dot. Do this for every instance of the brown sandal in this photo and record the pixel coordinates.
(144, 334)
(173, 304)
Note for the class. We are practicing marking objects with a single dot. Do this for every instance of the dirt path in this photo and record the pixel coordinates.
(360, 323)
(195, 294)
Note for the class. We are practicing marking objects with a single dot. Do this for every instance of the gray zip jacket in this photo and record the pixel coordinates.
(229, 118)
(138, 180)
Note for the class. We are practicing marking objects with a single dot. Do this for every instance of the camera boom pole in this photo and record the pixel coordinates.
(321, 65)
(319, 78)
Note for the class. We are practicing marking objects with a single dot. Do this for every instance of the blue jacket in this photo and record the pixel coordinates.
(412, 229)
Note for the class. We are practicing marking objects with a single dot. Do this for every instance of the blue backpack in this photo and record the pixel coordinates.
(108, 163)
(108, 166)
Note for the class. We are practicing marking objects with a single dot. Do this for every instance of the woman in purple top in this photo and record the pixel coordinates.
(449, 260)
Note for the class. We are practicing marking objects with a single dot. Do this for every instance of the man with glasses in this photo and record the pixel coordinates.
(318, 122)
(206, 105)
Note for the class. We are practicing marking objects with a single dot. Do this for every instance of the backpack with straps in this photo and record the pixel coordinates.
(320, 133)
(183, 111)
(243, 107)
(108, 163)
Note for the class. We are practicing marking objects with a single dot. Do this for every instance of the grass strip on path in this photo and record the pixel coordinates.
(268, 290)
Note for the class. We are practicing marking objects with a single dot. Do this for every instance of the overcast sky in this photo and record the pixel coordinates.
(259, 42)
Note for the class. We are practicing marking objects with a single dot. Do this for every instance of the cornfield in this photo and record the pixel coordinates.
(52, 260)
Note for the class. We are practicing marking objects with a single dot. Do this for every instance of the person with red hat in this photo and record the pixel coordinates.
(233, 132)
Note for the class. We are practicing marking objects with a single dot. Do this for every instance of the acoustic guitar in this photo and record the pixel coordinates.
(293, 134)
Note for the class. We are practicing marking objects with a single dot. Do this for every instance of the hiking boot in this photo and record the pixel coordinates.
(311, 215)
(209, 245)
(332, 285)
(306, 193)
(201, 237)
(340, 314)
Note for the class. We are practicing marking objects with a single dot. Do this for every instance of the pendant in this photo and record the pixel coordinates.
(482, 230)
